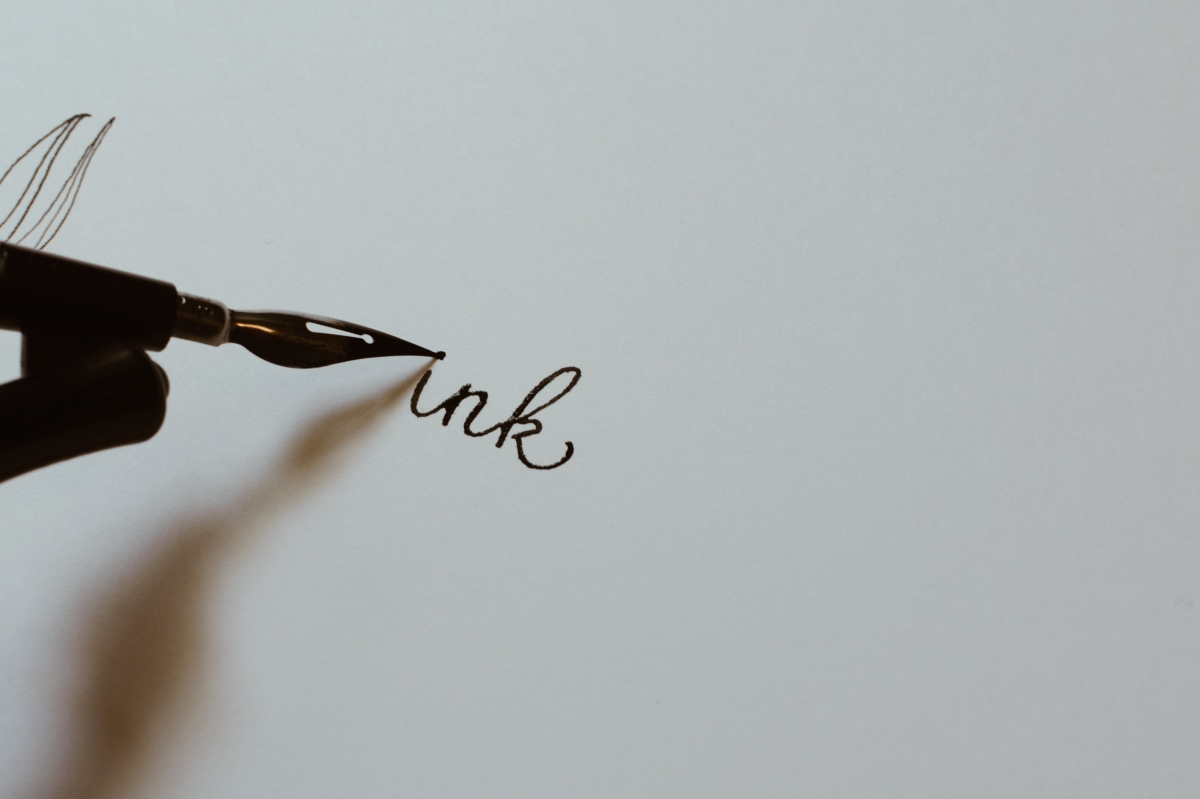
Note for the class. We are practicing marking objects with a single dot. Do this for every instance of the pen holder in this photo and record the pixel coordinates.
(77, 398)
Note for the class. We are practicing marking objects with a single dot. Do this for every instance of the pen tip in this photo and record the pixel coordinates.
(440, 355)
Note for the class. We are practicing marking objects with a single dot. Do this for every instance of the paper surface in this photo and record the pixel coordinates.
(885, 440)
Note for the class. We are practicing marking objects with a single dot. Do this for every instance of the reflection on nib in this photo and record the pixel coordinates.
(285, 339)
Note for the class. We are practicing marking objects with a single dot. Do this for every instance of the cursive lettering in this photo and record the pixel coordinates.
(521, 416)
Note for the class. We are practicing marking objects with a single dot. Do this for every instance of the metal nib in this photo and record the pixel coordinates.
(287, 339)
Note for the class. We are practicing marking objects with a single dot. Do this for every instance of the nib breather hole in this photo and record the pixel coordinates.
(316, 328)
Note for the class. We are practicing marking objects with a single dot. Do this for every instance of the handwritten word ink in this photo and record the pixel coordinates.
(522, 415)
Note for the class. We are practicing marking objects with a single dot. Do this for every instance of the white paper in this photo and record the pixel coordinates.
(885, 441)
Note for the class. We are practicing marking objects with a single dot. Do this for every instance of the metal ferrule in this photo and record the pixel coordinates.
(203, 320)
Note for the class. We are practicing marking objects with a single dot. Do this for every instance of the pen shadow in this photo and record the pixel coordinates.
(143, 639)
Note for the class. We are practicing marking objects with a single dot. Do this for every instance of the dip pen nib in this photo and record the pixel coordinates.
(288, 339)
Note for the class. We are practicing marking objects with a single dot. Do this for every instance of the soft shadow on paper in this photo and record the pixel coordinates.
(144, 638)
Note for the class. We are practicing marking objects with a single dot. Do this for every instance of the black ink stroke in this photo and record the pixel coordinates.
(23, 217)
(520, 416)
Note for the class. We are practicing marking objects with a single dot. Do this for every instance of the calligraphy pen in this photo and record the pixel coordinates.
(87, 382)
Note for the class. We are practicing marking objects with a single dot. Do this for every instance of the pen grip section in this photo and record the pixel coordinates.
(43, 293)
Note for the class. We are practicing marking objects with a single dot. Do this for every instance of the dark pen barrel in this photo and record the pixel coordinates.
(50, 295)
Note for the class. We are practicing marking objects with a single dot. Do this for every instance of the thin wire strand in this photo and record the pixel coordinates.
(54, 215)
(75, 181)
(52, 154)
